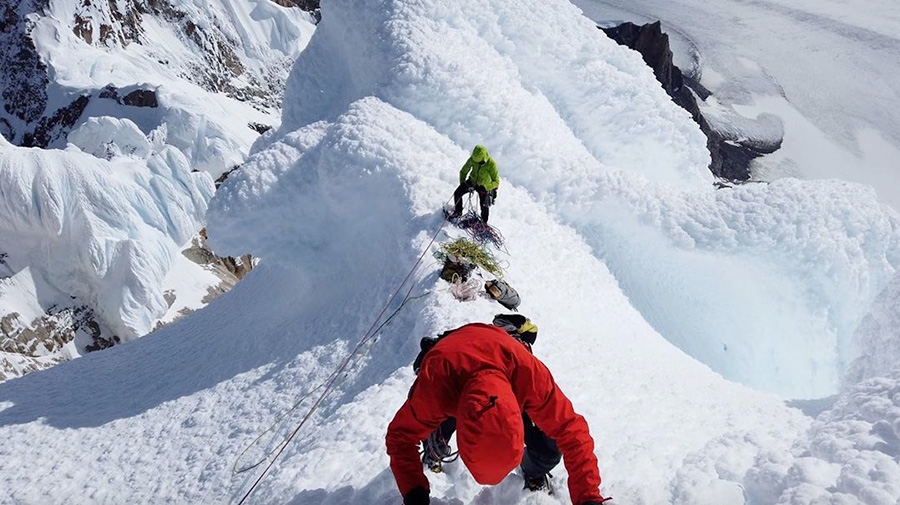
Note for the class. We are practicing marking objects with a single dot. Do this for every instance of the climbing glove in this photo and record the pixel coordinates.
(418, 496)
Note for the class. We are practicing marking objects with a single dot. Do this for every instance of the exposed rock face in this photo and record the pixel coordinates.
(38, 344)
(227, 268)
(310, 6)
(730, 156)
(217, 65)
(58, 125)
(653, 44)
(24, 88)
(141, 98)
(259, 127)
(108, 23)
(136, 98)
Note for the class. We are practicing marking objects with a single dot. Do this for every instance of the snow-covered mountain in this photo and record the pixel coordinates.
(677, 316)
(140, 105)
(817, 74)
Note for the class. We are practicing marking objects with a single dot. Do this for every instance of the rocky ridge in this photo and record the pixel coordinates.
(730, 154)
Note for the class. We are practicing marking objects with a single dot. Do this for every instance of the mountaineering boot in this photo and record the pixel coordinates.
(434, 451)
(540, 483)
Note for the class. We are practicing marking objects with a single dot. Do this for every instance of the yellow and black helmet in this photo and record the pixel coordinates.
(518, 326)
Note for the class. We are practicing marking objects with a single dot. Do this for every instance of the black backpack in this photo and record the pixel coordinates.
(456, 269)
(427, 343)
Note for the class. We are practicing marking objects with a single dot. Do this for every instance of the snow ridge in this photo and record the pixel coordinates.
(615, 158)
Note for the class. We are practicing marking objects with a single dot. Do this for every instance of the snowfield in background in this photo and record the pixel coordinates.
(629, 260)
(819, 73)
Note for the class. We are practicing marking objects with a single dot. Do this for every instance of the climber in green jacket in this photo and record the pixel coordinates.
(478, 174)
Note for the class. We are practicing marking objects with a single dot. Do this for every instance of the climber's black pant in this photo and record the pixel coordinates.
(482, 198)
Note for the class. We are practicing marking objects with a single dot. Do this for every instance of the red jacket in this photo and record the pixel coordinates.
(436, 392)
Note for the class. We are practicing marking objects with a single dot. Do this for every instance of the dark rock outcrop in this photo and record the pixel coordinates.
(141, 98)
(310, 6)
(730, 156)
(222, 178)
(56, 126)
(259, 128)
(653, 44)
(23, 76)
(135, 98)
(39, 343)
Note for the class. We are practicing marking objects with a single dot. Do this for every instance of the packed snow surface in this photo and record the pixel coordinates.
(605, 191)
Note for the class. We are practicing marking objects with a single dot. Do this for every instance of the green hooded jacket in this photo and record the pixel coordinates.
(481, 169)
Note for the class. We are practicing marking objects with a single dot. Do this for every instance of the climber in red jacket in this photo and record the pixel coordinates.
(489, 382)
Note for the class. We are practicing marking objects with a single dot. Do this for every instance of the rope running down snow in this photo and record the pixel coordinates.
(331, 383)
(235, 470)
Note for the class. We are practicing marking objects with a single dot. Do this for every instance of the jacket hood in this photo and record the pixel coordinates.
(480, 153)
(490, 433)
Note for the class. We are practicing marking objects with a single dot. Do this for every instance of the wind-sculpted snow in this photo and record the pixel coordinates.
(103, 231)
(107, 137)
(340, 184)
(850, 455)
(580, 123)
(875, 343)
(765, 283)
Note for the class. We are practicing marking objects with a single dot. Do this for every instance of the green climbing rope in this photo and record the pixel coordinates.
(464, 249)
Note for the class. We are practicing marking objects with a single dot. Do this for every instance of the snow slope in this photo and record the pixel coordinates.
(341, 200)
(802, 254)
(207, 385)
